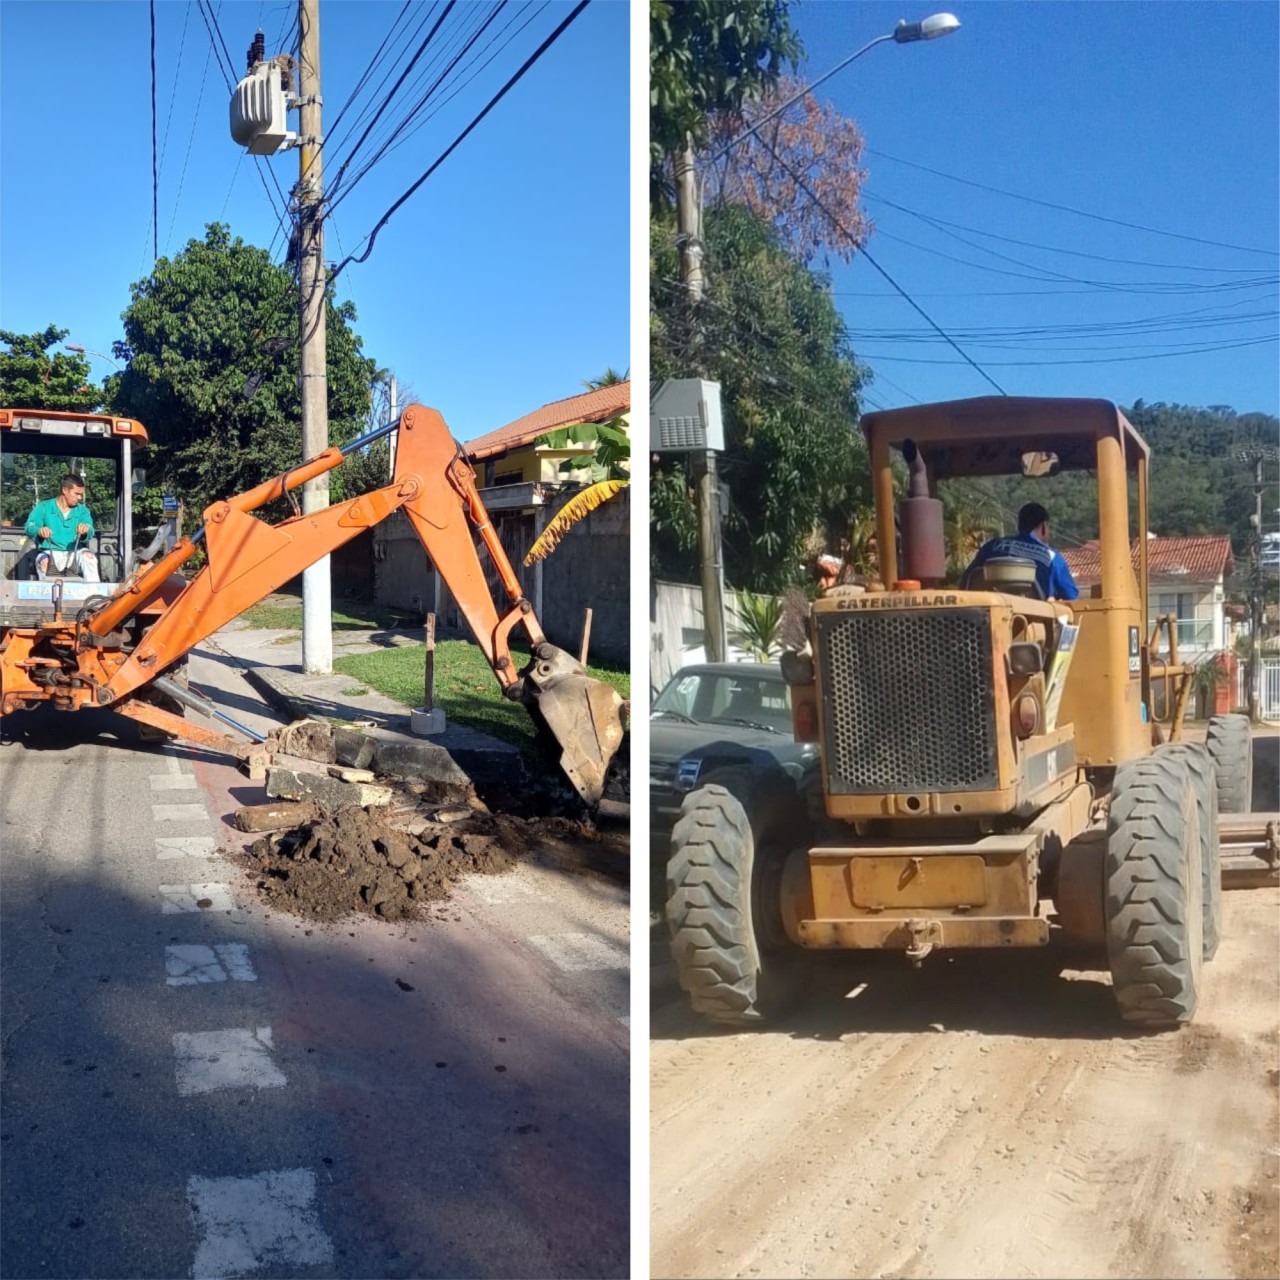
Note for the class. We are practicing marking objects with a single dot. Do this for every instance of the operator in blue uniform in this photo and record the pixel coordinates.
(1032, 543)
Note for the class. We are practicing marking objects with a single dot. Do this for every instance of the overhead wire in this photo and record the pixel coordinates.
(1082, 213)
(555, 35)
(333, 142)
(210, 22)
(407, 130)
(392, 129)
(386, 102)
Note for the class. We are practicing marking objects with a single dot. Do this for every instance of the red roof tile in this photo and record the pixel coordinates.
(592, 406)
(1198, 559)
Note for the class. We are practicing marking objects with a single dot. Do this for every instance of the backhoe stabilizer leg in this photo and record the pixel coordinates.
(582, 714)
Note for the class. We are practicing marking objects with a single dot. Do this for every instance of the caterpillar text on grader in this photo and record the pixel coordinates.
(989, 771)
(116, 644)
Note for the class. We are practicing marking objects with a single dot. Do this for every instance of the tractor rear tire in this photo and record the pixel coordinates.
(1205, 785)
(724, 913)
(1230, 743)
(1153, 889)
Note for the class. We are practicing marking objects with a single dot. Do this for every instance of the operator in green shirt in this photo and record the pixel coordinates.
(61, 528)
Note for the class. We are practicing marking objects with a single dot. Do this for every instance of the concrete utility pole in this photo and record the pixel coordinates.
(711, 563)
(317, 609)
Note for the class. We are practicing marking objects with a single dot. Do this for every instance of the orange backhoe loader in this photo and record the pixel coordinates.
(116, 644)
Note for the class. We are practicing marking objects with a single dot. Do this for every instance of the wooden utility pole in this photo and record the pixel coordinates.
(711, 568)
(1256, 608)
(317, 612)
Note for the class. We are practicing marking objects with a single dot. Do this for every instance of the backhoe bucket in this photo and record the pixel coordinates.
(582, 714)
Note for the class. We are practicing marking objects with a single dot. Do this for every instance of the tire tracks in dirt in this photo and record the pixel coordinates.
(990, 1116)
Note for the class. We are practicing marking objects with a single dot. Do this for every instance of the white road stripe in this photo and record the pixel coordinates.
(184, 847)
(172, 782)
(575, 951)
(176, 898)
(263, 1220)
(179, 813)
(236, 1058)
(190, 964)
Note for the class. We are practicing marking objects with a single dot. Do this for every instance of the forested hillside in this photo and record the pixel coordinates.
(1200, 482)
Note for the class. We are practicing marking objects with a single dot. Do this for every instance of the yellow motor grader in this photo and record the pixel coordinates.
(990, 770)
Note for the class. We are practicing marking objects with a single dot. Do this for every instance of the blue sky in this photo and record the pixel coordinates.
(1158, 114)
(501, 285)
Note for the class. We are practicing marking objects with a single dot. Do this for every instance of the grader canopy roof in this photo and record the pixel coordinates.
(993, 435)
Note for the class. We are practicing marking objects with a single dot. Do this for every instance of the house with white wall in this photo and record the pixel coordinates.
(1187, 579)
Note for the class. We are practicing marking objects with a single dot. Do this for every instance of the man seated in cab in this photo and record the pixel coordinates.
(1032, 543)
(61, 528)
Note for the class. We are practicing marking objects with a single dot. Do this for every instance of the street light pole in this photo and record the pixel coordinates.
(84, 351)
(689, 241)
(938, 24)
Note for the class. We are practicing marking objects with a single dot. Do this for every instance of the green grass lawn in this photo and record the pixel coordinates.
(282, 612)
(464, 685)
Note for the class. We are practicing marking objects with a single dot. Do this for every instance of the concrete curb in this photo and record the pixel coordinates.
(396, 752)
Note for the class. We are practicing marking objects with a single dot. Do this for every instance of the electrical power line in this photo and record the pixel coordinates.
(386, 102)
(1158, 355)
(453, 146)
(1082, 213)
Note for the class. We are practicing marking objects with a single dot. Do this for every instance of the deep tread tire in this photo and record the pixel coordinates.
(1230, 743)
(1204, 783)
(717, 889)
(1152, 886)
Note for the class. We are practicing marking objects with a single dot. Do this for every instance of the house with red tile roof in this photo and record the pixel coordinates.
(522, 487)
(510, 455)
(1187, 577)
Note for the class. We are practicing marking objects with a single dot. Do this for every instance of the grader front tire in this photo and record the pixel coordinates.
(720, 889)
(1154, 887)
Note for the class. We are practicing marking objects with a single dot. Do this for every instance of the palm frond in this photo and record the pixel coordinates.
(577, 508)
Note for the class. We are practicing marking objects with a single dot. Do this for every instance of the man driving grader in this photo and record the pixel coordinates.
(988, 771)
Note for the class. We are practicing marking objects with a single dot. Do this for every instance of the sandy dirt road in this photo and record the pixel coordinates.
(984, 1116)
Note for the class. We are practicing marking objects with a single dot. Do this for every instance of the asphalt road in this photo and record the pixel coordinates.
(219, 1091)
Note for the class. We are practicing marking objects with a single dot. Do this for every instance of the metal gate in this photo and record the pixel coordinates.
(1268, 690)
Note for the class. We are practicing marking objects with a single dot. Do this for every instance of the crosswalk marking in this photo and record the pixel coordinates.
(235, 1058)
(576, 951)
(188, 964)
(172, 782)
(179, 813)
(263, 1220)
(176, 898)
(184, 847)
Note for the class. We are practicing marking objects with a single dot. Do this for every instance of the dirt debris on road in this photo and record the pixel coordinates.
(391, 863)
(984, 1117)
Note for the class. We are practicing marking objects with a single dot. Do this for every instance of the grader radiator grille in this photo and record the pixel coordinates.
(907, 701)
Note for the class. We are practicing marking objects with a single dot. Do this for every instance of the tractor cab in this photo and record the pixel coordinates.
(37, 448)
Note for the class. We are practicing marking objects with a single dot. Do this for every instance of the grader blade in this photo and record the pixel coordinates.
(580, 714)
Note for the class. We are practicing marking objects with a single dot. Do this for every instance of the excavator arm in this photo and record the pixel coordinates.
(247, 559)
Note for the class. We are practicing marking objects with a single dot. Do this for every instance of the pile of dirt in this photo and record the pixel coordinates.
(356, 861)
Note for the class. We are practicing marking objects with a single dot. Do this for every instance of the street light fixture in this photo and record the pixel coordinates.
(84, 351)
(937, 24)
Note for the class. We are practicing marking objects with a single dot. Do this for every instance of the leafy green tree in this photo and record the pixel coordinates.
(706, 56)
(31, 378)
(794, 460)
(211, 345)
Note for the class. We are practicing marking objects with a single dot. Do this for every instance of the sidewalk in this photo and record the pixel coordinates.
(271, 661)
